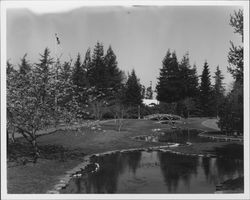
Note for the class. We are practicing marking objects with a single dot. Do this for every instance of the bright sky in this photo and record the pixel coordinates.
(139, 36)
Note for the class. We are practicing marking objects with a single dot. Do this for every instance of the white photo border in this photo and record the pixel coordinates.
(20, 4)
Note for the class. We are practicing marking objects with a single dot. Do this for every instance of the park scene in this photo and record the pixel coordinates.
(80, 122)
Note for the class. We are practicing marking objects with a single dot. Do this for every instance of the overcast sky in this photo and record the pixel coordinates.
(139, 36)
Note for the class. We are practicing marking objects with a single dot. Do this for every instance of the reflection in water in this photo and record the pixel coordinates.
(175, 136)
(206, 166)
(177, 167)
(134, 160)
(156, 172)
(105, 180)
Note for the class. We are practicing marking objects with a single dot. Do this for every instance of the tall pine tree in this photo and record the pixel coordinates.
(189, 78)
(114, 74)
(133, 96)
(169, 83)
(97, 70)
(24, 67)
(206, 91)
(218, 89)
(189, 85)
(43, 70)
(87, 61)
(80, 82)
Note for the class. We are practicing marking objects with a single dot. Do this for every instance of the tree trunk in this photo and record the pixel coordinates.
(139, 112)
(36, 150)
(31, 138)
(13, 134)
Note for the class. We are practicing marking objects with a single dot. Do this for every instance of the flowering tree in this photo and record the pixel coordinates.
(29, 99)
(36, 94)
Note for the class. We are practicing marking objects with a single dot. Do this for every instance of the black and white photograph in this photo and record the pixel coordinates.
(116, 100)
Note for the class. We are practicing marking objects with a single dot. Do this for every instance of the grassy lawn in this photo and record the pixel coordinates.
(40, 177)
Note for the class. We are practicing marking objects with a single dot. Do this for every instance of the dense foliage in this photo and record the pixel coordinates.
(177, 87)
(49, 92)
(218, 90)
(169, 85)
(179, 91)
(206, 91)
(133, 95)
(231, 113)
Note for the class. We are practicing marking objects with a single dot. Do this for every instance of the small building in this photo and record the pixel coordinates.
(150, 102)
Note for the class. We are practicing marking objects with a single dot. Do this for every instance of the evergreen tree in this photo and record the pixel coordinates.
(189, 78)
(194, 81)
(114, 74)
(79, 75)
(43, 70)
(218, 89)
(189, 85)
(105, 79)
(97, 71)
(9, 68)
(24, 67)
(23, 72)
(65, 86)
(133, 95)
(87, 61)
(80, 82)
(169, 83)
(69, 107)
(205, 91)
(103, 72)
(231, 113)
(66, 72)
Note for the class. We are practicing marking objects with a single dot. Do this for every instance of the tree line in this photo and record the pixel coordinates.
(179, 90)
(50, 92)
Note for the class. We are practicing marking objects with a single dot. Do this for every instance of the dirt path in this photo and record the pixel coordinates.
(211, 123)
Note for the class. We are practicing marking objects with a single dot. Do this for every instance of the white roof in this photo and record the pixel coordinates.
(150, 102)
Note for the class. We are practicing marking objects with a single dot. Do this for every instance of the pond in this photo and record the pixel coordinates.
(157, 172)
(181, 136)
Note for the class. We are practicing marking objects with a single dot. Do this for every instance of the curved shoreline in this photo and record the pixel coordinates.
(211, 123)
(99, 142)
(221, 138)
(64, 180)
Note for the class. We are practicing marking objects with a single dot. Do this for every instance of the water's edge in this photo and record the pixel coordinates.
(65, 179)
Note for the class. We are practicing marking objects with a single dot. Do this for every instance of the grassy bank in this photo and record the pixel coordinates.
(40, 177)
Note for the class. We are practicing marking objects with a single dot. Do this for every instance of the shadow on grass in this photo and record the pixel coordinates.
(21, 153)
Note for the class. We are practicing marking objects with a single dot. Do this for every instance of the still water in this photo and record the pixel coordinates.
(181, 136)
(158, 172)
